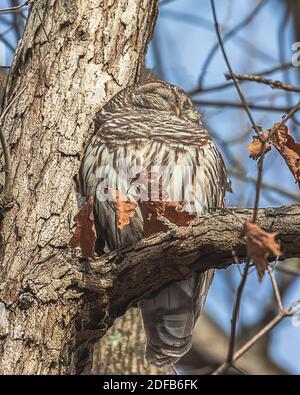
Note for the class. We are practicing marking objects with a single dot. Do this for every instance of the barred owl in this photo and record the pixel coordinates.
(147, 129)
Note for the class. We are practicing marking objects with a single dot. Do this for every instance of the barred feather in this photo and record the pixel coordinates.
(148, 137)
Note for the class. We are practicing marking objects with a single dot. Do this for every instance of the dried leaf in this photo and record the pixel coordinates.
(260, 245)
(85, 232)
(256, 146)
(159, 213)
(125, 209)
(174, 213)
(288, 148)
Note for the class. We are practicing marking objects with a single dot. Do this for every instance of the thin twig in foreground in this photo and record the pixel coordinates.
(237, 355)
(271, 187)
(253, 13)
(223, 103)
(16, 8)
(286, 269)
(262, 80)
(235, 315)
(240, 93)
(275, 288)
(236, 307)
(290, 114)
(42, 23)
(231, 358)
(230, 84)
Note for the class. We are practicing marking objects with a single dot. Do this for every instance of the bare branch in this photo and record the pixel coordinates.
(225, 85)
(252, 106)
(16, 8)
(271, 187)
(254, 12)
(275, 288)
(283, 314)
(261, 80)
(240, 93)
(206, 243)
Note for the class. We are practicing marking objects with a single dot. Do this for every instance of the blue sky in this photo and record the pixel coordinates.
(183, 44)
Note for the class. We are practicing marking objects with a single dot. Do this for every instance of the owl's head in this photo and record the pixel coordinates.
(165, 97)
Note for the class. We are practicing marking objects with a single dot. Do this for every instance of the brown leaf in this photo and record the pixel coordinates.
(174, 213)
(124, 209)
(256, 146)
(288, 148)
(85, 232)
(154, 214)
(157, 213)
(260, 245)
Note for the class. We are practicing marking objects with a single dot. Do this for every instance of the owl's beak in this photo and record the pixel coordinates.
(178, 112)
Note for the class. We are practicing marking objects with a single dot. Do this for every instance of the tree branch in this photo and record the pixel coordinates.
(207, 243)
(275, 84)
(233, 104)
(274, 322)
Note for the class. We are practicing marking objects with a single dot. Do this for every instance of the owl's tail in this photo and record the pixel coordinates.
(170, 315)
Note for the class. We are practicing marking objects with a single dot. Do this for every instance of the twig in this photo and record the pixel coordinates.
(16, 8)
(42, 23)
(229, 34)
(271, 187)
(261, 80)
(291, 113)
(236, 307)
(231, 356)
(240, 93)
(237, 355)
(235, 314)
(252, 106)
(275, 288)
(165, 2)
(225, 85)
(286, 269)
(258, 183)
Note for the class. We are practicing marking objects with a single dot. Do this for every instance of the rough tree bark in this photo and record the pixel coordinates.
(122, 349)
(74, 56)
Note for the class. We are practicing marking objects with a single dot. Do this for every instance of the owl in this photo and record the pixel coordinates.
(151, 151)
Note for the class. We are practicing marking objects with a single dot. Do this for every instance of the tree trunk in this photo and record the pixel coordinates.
(74, 56)
(122, 349)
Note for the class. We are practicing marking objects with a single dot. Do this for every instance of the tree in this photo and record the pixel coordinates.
(71, 60)
(54, 304)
